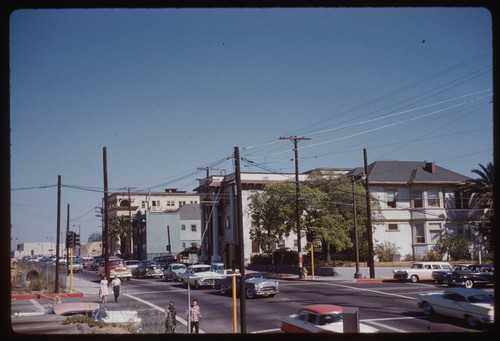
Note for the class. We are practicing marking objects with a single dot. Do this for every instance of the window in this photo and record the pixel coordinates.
(433, 198)
(434, 233)
(461, 201)
(143, 204)
(392, 227)
(193, 227)
(417, 199)
(182, 203)
(183, 227)
(419, 233)
(391, 198)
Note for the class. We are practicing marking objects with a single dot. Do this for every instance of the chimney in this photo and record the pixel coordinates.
(430, 167)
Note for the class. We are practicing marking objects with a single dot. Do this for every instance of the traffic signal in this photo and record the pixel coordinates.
(76, 239)
(311, 234)
(70, 239)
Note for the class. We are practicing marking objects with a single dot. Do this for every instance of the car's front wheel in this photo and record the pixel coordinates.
(249, 293)
(428, 309)
(469, 283)
(223, 289)
(414, 278)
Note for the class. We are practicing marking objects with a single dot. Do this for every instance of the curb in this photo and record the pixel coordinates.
(45, 296)
(376, 280)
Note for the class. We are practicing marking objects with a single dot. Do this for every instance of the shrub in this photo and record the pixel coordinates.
(386, 251)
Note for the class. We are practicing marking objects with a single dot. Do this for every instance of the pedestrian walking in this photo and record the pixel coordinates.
(103, 289)
(195, 316)
(170, 319)
(116, 284)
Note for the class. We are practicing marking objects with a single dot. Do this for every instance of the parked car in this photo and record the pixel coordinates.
(116, 267)
(77, 266)
(96, 263)
(148, 268)
(172, 271)
(132, 265)
(165, 260)
(318, 318)
(420, 271)
(199, 275)
(473, 305)
(440, 275)
(255, 285)
(473, 275)
(86, 262)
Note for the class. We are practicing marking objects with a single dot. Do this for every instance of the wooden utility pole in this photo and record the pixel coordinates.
(298, 212)
(67, 231)
(241, 241)
(105, 237)
(56, 289)
(369, 232)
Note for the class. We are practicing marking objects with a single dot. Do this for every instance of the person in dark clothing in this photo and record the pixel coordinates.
(170, 319)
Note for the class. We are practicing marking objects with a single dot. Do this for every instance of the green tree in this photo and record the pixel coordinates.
(454, 247)
(120, 227)
(480, 194)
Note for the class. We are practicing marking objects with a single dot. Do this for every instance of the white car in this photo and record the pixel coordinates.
(473, 305)
(199, 275)
(421, 271)
(318, 318)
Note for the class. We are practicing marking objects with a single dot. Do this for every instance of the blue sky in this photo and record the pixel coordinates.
(169, 90)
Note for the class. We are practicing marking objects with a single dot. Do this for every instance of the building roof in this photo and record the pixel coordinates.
(409, 171)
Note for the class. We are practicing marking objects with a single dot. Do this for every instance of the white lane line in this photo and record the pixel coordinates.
(381, 325)
(38, 306)
(371, 290)
(180, 319)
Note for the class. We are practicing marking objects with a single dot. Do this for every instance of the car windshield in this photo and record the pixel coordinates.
(116, 262)
(481, 298)
(202, 269)
(330, 318)
(446, 267)
(177, 267)
(247, 276)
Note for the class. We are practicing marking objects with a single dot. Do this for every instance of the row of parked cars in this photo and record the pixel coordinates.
(197, 275)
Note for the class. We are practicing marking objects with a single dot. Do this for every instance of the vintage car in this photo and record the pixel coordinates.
(172, 271)
(420, 271)
(199, 275)
(318, 318)
(473, 305)
(440, 275)
(475, 275)
(148, 269)
(255, 285)
(132, 264)
(165, 260)
(116, 267)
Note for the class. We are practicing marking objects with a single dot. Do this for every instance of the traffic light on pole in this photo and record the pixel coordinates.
(76, 239)
(70, 239)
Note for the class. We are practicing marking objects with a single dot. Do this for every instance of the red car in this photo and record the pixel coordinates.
(116, 267)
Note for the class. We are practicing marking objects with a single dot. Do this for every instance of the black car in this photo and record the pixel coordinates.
(148, 268)
(164, 261)
(473, 275)
(440, 276)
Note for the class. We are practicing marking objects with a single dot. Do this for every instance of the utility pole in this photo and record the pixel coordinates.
(295, 140)
(130, 223)
(369, 220)
(208, 224)
(58, 242)
(241, 241)
(105, 239)
(67, 230)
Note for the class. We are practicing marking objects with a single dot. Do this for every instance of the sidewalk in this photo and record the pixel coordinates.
(343, 274)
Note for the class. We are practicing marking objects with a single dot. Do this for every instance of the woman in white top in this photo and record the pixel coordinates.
(103, 289)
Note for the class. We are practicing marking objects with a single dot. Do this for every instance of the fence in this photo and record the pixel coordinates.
(38, 276)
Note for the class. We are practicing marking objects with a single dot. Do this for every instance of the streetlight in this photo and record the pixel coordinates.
(354, 179)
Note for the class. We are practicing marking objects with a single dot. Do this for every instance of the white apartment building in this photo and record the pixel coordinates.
(420, 202)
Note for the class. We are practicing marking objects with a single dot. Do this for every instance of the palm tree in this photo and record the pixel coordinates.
(480, 194)
(119, 226)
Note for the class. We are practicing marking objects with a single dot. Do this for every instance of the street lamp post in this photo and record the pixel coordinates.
(362, 176)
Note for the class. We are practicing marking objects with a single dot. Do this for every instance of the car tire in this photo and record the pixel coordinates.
(223, 289)
(472, 321)
(196, 285)
(427, 309)
(469, 283)
(414, 279)
(249, 294)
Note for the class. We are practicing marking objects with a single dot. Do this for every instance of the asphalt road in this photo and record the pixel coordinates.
(388, 306)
